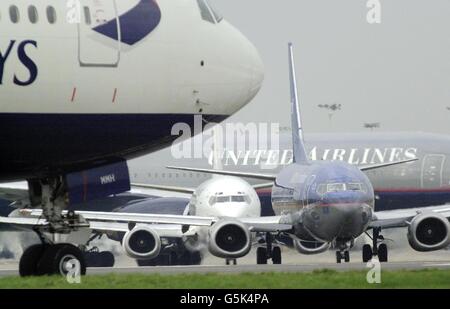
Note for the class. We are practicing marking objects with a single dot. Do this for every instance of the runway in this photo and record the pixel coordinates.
(236, 269)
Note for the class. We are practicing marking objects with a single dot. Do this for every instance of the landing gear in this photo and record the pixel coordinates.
(270, 252)
(276, 255)
(342, 255)
(231, 261)
(380, 250)
(261, 255)
(367, 253)
(50, 259)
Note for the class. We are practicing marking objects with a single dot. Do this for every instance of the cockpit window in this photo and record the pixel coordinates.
(216, 14)
(354, 187)
(226, 199)
(238, 198)
(335, 187)
(205, 11)
(338, 187)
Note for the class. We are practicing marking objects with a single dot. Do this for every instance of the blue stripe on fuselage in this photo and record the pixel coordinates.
(135, 24)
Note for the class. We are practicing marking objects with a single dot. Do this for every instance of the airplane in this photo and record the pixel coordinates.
(327, 202)
(87, 85)
(316, 203)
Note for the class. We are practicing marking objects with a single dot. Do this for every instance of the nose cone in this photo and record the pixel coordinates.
(338, 221)
(241, 71)
(232, 210)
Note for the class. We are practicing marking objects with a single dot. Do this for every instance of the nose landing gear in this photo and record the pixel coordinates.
(342, 255)
(380, 250)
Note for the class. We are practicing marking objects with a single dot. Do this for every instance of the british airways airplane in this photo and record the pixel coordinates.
(85, 85)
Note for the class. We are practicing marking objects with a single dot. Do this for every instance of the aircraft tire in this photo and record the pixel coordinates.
(382, 253)
(367, 253)
(261, 256)
(347, 256)
(29, 260)
(276, 255)
(55, 257)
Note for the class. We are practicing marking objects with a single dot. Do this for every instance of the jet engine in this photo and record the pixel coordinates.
(142, 242)
(310, 246)
(429, 232)
(229, 239)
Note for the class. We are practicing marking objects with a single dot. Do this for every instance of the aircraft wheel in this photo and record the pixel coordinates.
(57, 260)
(367, 253)
(29, 260)
(347, 256)
(382, 253)
(261, 255)
(276, 255)
(338, 257)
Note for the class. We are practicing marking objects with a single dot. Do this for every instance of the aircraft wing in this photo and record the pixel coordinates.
(115, 221)
(164, 188)
(14, 191)
(402, 218)
(272, 177)
(381, 165)
(269, 177)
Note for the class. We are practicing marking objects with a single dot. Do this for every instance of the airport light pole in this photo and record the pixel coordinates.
(331, 109)
(371, 126)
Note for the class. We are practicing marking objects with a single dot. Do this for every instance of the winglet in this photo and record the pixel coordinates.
(299, 150)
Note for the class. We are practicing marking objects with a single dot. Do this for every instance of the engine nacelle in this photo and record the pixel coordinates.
(229, 239)
(142, 242)
(429, 232)
(310, 246)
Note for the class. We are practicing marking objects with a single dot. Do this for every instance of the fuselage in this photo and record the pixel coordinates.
(425, 182)
(332, 200)
(84, 84)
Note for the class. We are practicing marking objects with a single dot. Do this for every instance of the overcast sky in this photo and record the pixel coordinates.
(396, 73)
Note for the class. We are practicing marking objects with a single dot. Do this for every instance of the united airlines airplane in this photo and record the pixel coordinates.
(85, 85)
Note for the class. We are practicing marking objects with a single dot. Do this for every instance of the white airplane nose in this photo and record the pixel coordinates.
(258, 73)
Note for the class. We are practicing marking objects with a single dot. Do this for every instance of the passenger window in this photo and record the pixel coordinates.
(205, 12)
(51, 14)
(87, 15)
(32, 14)
(14, 14)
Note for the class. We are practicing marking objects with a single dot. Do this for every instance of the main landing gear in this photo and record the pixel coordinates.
(50, 259)
(270, 252)
(54, 256)
(380, 250)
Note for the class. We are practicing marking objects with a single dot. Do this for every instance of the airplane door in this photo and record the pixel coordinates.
(432, 167)
(98, 33)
